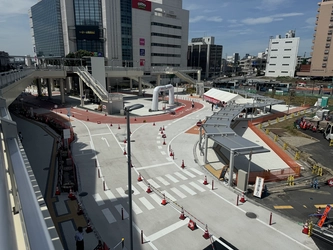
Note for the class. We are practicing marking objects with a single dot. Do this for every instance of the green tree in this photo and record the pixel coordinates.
(74, 58)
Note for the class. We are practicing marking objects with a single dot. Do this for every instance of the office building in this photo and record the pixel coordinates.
(204, 53)
(4, 61)
(128, 33)
(282, 55)
(322, 56)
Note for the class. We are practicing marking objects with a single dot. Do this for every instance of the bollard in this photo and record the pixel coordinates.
(99, 175)
(122, 213)
(141, 236)
(173, 155)
(237, 199)
(95, 163)
(212, 184)
(104, 185)
(270, 219)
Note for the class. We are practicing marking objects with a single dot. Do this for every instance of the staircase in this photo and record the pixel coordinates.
(185, 77)
(92, 83)
(143, 82)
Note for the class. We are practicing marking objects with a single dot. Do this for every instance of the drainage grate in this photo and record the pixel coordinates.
(126, 191)
(251, 215)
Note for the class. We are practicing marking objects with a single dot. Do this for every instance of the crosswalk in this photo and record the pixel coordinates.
(175, 187)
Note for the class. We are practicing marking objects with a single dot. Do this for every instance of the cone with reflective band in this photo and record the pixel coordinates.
(148, 189)
(206, 233)
(183, 165)
(242, 198)
(164, 202)
(71, 195)
(89, 228)
(79, 209)
(118, 126)
(182, 215)
(192, 225)
(57, 192)
(139, 178)
(205, 181)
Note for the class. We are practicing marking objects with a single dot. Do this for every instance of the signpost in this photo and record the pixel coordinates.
(258, 186)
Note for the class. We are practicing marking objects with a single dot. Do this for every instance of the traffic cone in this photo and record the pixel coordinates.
(242, 199)
(105, 114)
(125, 141)
(139, 178)
(192, 225)
(111, 124)
(182, 215)
(164, 202)
(206, 234)
(86, 110)
(125, 152)
(205, 181)
(148, 189)
(305, 228)
(134, 118)
(79, 209)
(164, 142)
(57, 192)
(171, 153)
(118, 126)
(153, 123)
(183, 165)
(89, 228)
(162, 132)
(71, 195)
(87, 118)
(163, 128)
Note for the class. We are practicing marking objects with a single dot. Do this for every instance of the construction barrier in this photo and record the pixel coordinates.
(290, 180)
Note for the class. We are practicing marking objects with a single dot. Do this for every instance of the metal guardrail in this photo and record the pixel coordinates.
(9, 77)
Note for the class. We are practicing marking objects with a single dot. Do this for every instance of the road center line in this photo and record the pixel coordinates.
(167, 230)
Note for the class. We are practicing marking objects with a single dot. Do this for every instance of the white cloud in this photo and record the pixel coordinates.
(311, 23)
(269, 5)
(192, 6)
(269, 19)
(205, 18)
(16, 6)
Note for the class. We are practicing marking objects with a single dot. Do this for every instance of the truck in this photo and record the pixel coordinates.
(328, 132)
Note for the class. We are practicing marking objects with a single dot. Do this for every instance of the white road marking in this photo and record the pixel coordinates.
(154, 166)
(163, 152)
(188, 173)
(108, 215)
(164, 182)
(136, 192)
(177, 192)
(196, 186)
(153, 183)
(169, 159)
(171, 178)
(190, 191)
(119, 207)
(196, 171)
(158, 137)
(168, 195)
(110, 195)
(180, 176)
(98, 199)
(142, 185)
(136, 208)
(101, 134)
(158, 142)
(159, 147)
(146, 203)
(167, 230)
(121, 192)
(156, 198)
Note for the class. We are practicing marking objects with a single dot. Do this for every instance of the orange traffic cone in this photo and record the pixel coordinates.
(182, 215)
(305, 228)
(118, 126)
(242, 199)
(139, 178)
(148, 189)
(161, 132)
(79, 209)
(111, 124)
(87, 118)
(71, 195)
(192, 225)
(164, 142)
(89, 228)
(57, 192)
(125, 141)
(183, 165)
(125, 152)
(206, 234)
(171, 153)
(86, 110)
(153, 123)
(135, 119)
(164, 202)
(205, 181)
(163, 128)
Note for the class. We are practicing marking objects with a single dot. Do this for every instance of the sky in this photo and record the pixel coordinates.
(242, 26)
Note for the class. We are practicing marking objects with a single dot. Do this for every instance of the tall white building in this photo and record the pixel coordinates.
(128, 32)
(282, 55)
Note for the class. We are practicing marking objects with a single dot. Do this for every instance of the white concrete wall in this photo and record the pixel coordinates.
(282, 57)
(68, 25)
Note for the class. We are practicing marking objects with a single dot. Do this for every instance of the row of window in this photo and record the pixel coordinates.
(282, 71)
(283, 64)
(165, 45)
(165, 35)
(165, 55)
(284, 42)
(165, 64)
(274, 57)
(166, 25)
(277, 49)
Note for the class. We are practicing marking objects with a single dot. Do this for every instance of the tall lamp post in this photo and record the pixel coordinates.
(128, 109)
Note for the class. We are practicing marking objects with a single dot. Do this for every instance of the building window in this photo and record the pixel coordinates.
(165, 45)
(286, 57)
(325, 58)
(165, 55)
(327, 45)
(328, 39)
(288, 41)
(287, 49)
(275, 42)
(166, 25)
(323, 65)
(284, 72)
(165, 35)
(285, 64)
(272, 57)
(274, 49)
(326, 52)
(272, 64)
(329, 32)
(271, 71)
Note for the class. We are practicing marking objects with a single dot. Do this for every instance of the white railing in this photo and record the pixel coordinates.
(185, 77)
(9, 77)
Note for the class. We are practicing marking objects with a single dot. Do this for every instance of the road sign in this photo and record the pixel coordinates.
(324, 216)
(199, 123)
(330, 182)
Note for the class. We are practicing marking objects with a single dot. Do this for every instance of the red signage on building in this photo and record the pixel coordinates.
(141, 5)
(142, 62)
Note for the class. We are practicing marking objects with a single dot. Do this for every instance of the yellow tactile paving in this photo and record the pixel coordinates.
(284, 207)
(322, 205)
(212, 170)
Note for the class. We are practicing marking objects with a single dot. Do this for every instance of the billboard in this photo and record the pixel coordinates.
(141, 5)
(84, 32)
(258, 186)
(142, 42)
(142, 52)
(142, 62)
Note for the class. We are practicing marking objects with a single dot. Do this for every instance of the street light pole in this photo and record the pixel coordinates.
(248, 172)
(128, 109)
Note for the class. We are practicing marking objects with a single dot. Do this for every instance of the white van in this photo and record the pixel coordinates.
(301, 84)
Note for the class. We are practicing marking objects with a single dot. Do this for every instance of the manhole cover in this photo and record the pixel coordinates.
(251, 215)
(126, 191)
(83, 194)
(46, 168)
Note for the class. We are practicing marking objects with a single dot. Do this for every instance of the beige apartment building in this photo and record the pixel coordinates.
(322, 49)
